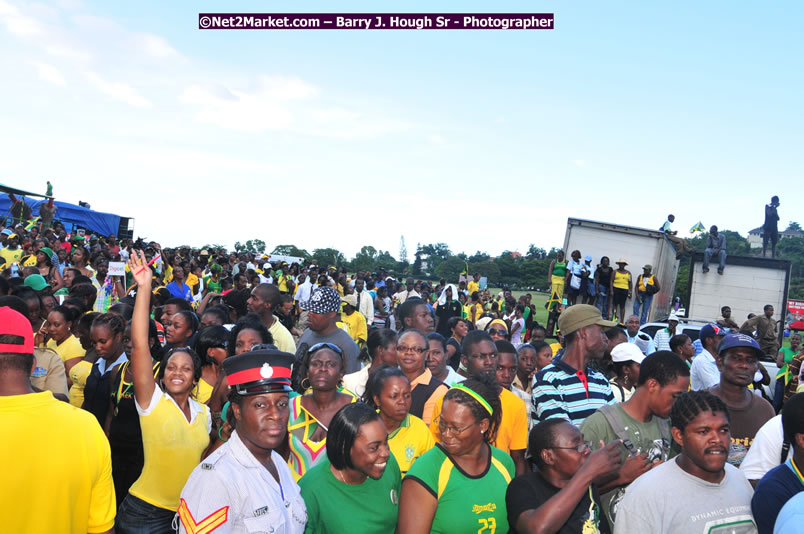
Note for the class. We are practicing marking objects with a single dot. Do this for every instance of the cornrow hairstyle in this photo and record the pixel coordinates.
(376, 382)
(688, 405)
(542, 436)
(112, 321)
(486, 386)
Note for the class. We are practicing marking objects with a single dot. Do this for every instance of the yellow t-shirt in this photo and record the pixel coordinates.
(70, 348)
(192, 281)
(357, 326)
(409, 441)
(69, 468)
(472, 286)
(172, 447)
(202, 391)
(78, 376)
(283, 339)
(513, 432)
(11, 256)
(621, 280)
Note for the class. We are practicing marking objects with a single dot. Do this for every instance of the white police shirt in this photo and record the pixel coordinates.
(232, 492)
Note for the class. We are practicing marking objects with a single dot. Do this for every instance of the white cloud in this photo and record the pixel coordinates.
(156, 46)
(17, 23)
(49, 73)
(119, 91)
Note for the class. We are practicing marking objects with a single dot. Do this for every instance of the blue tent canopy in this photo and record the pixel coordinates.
(72, 214)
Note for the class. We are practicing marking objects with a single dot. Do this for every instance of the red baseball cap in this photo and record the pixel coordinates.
(14, 323)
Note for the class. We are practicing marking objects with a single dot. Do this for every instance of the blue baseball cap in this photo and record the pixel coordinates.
(711, 330)
(738, 340)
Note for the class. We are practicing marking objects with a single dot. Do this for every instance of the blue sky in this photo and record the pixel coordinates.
(483, 140)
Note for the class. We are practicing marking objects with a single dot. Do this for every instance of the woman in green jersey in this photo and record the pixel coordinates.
(459, 485)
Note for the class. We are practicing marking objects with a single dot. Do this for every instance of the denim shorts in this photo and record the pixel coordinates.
(136, 516)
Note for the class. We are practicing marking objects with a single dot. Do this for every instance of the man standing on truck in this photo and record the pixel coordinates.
(715, 246)
(680, 243)
(770, 230)
(766, 331)
(647, 285)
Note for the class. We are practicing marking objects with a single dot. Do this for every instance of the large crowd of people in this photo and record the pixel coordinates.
(150, 390)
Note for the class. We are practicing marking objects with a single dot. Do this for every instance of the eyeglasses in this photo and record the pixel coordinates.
(417, 350)
(581, 447)
(494, 331)
(324, 345)
(455, 431)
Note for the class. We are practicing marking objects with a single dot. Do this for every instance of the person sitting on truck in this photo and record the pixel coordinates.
(765, 331)
(680, 243)
(704, 373)
(725, 319)
(647, 285)
(620, 289)
(715, 246)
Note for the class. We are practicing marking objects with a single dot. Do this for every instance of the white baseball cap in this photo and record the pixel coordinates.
(627, 352)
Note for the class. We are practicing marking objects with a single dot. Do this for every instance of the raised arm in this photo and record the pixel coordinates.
(141, 365)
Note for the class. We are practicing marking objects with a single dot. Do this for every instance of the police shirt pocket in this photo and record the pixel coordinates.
(269, 523)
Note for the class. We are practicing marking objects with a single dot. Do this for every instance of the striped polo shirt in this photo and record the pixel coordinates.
(560, 390)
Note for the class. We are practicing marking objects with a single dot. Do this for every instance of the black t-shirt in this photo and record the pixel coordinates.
(529, 491)
(453, 309)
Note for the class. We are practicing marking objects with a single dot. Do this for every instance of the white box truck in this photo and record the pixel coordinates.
(747, 284)
(639, 246)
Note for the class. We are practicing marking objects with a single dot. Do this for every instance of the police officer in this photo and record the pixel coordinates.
(246, 486)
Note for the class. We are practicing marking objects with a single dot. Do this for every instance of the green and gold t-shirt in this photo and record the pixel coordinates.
(465, 503)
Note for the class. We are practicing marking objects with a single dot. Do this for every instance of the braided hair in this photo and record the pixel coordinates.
(690, 404)
(114, 322)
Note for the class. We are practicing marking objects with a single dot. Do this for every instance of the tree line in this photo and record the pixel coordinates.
(513, 269)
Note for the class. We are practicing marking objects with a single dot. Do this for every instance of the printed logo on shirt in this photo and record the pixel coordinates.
(741, 524)
(394, 497)
(207, 467)
(409, 452)
(479, 509)
(260, 511)
(39, 371)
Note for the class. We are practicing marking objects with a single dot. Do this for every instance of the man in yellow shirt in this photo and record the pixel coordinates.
(12, 253)
(264, 300)
(473, 285)
(355, 320)
(70, 468)
(480, 356)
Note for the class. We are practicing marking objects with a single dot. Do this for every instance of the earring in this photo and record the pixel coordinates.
(305, 388)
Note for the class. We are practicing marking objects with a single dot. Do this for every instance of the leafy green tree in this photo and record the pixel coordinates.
(291, 250)
(450, 269)
(535, 253)
(794, 227)
(252, 245)
(328, 256)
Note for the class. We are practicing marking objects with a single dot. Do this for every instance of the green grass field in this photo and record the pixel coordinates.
(538, 300)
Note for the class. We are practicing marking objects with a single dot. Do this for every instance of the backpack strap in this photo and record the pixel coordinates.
(785, 451)
(615, 421)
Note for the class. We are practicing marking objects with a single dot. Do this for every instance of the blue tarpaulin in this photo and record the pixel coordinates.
(71, 214)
